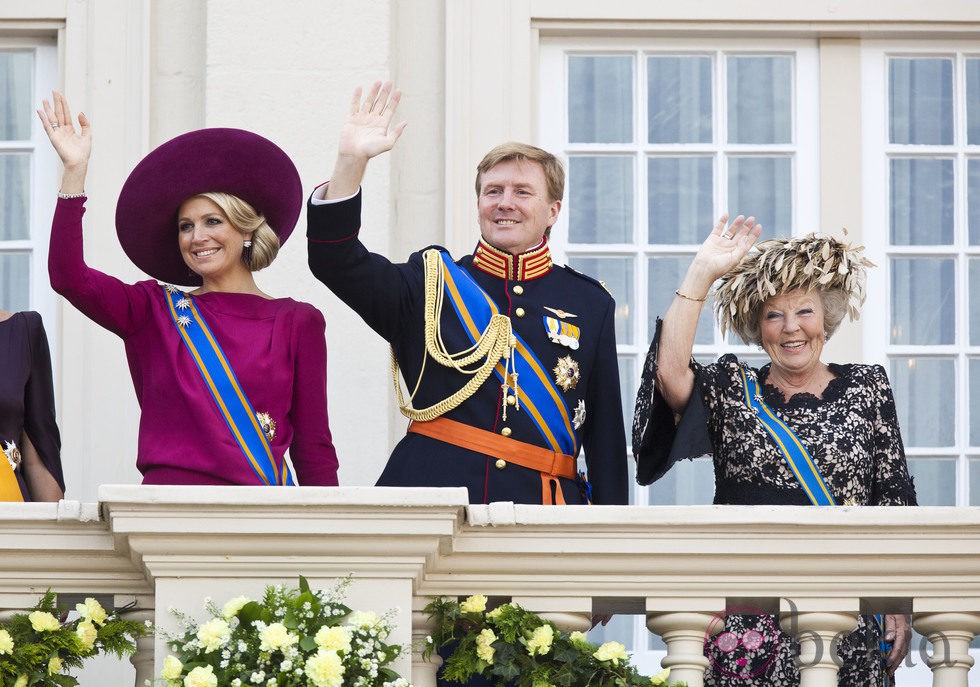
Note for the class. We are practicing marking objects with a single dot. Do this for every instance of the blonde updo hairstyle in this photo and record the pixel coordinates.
(265, 243)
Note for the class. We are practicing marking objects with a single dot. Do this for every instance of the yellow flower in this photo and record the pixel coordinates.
(87, 634)
(542, 683)
(232, 606)
(92, 610)
(497, 611)
(171, 668)
(362, 618)
(578, 639)
(660, 679)
(611, 651)
(540, 641)
(42, 621)
(202, 676)
(333, 639)
(275, 637)
(213, 635)
(21, 681)
(474, 604)
(54, 666)
(325, 669)
(484, 640)
(6, 642)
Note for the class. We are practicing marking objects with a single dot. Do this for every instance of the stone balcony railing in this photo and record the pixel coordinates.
(157, 548)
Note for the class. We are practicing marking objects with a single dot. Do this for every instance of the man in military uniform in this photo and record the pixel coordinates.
(510, 361)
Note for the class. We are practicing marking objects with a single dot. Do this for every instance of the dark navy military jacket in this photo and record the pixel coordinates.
(390, 298)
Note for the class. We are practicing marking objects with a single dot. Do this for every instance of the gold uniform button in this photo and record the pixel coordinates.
(518, 289)
(519, 312)
(511, 400)
(505, 431)
(500, 464)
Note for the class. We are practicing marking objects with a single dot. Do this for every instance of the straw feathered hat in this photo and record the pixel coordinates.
(779, 266)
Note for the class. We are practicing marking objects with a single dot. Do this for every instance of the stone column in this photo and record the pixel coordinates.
(819, 633)
(684, 633)
(142, 660)
(950, 634)
(423, 670)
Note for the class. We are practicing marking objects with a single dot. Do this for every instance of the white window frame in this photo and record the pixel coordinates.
(876, 154)
(553, 127)
(43, 182)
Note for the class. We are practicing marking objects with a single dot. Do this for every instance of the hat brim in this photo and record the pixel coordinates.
(224, 160)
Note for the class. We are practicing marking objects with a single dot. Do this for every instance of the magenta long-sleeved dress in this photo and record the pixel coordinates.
(276, 348)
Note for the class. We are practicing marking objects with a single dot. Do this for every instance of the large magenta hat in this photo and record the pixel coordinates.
(232, 161)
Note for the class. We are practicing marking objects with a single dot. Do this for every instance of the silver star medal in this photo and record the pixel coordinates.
(579, 418)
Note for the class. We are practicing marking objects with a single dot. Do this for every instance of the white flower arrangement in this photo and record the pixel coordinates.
(292, 637)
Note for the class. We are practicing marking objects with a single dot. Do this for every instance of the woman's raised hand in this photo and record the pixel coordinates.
(368, 131)
(73, 146)
(727, 244)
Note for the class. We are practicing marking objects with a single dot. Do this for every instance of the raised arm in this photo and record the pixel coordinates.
(724, 247)
(73, 147)
(366, 133)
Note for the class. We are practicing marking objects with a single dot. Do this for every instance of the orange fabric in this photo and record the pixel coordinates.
(546, 497)
(550, 464)
(9, 489)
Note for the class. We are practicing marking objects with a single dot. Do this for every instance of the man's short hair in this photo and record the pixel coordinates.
(554, 171)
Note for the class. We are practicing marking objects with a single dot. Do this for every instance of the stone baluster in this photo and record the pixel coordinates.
(684, 632)
(423, 670)
(950, 634)
(819, 626)
(139, 609)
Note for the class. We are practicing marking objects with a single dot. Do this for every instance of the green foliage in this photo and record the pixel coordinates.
(39, 647)
(524, 650)
(299, 636)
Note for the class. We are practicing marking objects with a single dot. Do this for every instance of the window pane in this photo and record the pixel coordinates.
(680, 192)
(920, 98)
(921, 202)
(15, 281)
(600, 99)
(935, 481)
(600, 199)
(973, 200)
(974, 297)
(627, 390)
(975, 482)
(924, 391)
(973, 102)
(923, 301)
(975, 410)
(688, 482)
(16, 102)
(679, 99)
(762, 187)
(15, 191)
(617, 275)
(760, 99)
(664, 275)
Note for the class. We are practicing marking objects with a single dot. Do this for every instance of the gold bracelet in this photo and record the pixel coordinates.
(689, 298)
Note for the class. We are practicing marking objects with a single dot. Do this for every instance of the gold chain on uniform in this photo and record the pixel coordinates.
(496, 343)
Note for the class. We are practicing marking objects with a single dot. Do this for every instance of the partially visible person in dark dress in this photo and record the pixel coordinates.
(29, 437)
(787, 296)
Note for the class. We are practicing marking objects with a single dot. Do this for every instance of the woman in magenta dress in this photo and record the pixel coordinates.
(30, 444)
(204, 210)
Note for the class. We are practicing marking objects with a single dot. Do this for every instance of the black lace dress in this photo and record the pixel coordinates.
(851, 433)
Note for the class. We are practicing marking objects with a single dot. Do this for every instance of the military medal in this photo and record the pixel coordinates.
(561, 313)
(562, 332)
(267, 424)
(12, 453)
(579, 418)
(566, 373)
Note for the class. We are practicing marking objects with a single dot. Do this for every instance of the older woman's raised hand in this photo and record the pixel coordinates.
(726, 245)
(73, 146)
